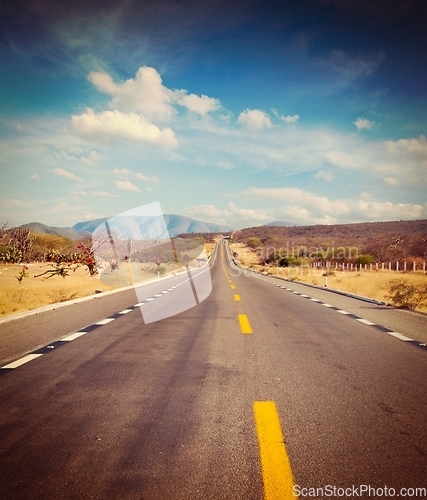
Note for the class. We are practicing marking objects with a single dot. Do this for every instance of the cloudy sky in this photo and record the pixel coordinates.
(237, 112)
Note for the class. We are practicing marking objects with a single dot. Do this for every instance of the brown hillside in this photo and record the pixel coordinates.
(385, 241)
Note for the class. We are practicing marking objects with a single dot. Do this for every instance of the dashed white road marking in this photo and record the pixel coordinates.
(104, 321)
(125, 311)
(149, 299)
(22, 361)
(341, 311)
(365, 321)
(399, 336)
(73, 336)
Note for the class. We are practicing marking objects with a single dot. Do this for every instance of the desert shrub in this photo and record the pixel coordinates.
(288, 261)
(407, 295)
(365, 259)
(254, 242)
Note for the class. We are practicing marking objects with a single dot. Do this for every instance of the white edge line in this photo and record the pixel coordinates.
(125, 311)
(22, 361)
(327, 305)
(342, 312)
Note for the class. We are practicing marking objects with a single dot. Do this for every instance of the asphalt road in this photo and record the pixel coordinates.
(174, 409)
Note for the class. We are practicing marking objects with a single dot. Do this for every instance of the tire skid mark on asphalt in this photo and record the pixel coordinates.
(382, 328)
(75, 335)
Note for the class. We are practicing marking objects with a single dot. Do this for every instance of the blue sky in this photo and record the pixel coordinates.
(240, 113)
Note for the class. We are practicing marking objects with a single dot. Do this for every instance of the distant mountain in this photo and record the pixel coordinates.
(68, 232)
(176, 224)
(281, 223)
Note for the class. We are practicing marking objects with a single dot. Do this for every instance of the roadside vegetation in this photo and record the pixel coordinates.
(41, 269)
(349, 256)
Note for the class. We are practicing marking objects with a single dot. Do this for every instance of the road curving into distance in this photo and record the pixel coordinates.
(257, 392)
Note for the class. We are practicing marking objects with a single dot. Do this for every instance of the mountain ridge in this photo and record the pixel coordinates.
(176, 224)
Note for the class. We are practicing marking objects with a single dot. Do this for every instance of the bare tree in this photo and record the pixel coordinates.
(21, 242)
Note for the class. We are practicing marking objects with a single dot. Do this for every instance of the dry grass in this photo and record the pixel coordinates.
(373, 284)
(32, 292)
(245, 255)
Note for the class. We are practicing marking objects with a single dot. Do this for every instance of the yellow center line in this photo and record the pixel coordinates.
(245, 326)
(237, 298)
(275, 465)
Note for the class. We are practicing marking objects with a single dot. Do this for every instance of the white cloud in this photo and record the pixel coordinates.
(363, 124)
(122, 171)
(79, 193)
(201, 105)
(92, 216)
(325, 175)
(290, 119)
(204, 212)
(146, 178)
(144, 93)
(14, 203)
(127, 186)
(103, 194)
(147, 94)
(110, 126)
(139, 175)
(35, 177)
(92, 158)
(391, 181)
(351, 67)
(254, 119)
(416, 147)
(309, 208)
(64, 173)
(346, 159)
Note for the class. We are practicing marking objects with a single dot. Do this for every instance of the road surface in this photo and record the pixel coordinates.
(257, 392)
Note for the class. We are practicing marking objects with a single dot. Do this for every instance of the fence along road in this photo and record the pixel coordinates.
(196, 406)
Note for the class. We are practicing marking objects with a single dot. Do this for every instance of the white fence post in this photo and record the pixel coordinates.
(414, 266)
(397, 266)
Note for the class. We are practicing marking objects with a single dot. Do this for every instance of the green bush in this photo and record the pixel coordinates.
(288, 261)
(365, 259)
